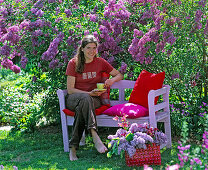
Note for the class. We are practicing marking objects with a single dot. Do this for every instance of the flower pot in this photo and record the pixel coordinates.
(149, 156)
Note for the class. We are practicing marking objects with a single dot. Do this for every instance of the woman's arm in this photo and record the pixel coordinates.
(71, 84)
(71, 89)
(117, 76)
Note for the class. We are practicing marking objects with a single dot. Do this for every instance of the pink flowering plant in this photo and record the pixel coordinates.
(131, 137)
(190, 156)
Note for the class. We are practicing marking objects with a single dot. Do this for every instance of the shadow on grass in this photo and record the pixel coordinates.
(43, 149)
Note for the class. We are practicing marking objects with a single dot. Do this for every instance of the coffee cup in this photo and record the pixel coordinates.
(100, 85)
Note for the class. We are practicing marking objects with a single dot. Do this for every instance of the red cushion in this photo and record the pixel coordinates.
(98, 111)
(146, 81)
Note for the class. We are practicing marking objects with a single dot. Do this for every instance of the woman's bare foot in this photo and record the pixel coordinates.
(72, 154)
(98, 143)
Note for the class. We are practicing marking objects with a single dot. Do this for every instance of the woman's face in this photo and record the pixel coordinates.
(90, 50)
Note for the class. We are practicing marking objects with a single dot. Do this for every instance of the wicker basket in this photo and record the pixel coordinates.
(149, 156)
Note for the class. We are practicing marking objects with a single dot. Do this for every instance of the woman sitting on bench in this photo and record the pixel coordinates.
(83, 73)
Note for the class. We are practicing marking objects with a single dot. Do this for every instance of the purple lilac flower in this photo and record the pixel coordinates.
(137, 140)
(145, 136)
(118, 10)
(26, 14)
(148, 60)
(54, 63)
(206, 28)
(157, 21)
(202, 3)
(14, 29)
(5, 50)
(133, 128)
(11, 36)
(121, 146)
(34, 10)
(76, 1)
(39, 13)
(93, 17)
(37, 33)
(68, 13)
(86, 32)
(4, 12)
(51, 1)
(160, 138)
(112, 137)
(171, 21)
(58, 19)
(15, 168)
(123, 68)
(121, 132)
(95, 34)
(137, 33)
(205, 140)
(175, 76)
(6, 63)
(53, 49)
(24, 24)
(15, 69)
(111, 60)
(159, 47)
(130, 150)
(57, 10)
(34, 79)
(38, 4)
(198, 16)
(23, 62)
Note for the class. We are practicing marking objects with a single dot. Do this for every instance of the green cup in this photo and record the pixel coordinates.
(100, 85)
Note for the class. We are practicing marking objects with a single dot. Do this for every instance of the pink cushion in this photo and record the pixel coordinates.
(146, 81)
(131, 109)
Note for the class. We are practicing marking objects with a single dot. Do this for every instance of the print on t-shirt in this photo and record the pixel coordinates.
(88, 75)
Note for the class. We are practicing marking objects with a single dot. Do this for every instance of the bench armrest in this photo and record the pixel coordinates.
(163, 105)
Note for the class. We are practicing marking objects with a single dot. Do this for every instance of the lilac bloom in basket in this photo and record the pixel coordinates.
(135, 136)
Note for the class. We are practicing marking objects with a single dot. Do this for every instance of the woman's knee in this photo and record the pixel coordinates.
(85, 97)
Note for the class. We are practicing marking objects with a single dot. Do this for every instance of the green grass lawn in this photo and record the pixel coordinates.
(43, 149)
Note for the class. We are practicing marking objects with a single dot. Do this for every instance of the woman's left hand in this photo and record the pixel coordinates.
(108, 82)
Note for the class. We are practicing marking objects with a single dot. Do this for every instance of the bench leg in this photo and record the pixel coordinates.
(168, 132)
(65, 132)
(65, 138)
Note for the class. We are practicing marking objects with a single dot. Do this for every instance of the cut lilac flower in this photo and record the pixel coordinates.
(131, 139)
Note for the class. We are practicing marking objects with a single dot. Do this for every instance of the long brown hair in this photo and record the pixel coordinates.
(80, 58)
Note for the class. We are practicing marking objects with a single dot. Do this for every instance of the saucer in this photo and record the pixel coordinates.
(100, 89)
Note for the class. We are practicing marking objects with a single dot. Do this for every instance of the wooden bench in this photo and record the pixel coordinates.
(157, 113)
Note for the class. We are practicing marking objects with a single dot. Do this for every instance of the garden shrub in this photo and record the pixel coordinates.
(19, 108)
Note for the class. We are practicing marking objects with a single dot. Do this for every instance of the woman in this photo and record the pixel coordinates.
(83, 73)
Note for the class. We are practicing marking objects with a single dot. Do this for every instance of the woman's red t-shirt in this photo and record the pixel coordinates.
(91, 75)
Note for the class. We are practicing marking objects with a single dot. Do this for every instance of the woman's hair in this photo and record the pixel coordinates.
(80, 59)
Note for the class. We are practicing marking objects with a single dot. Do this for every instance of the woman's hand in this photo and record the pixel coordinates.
(96, 92)
(108, 83)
